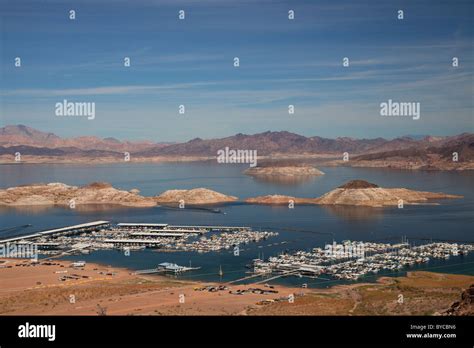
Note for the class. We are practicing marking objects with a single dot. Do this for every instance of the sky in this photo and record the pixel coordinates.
(283, 62)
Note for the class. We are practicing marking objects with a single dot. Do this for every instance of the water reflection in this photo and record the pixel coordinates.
(285, 180)
(25, 209)
(355, 213)
(80, 208)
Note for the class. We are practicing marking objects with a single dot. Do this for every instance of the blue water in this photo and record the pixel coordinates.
(304, 227)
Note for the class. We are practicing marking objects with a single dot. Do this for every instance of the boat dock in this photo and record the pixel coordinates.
(341, 265)
(68, 230)
(167, 267)
(99, 235)
(217, 228)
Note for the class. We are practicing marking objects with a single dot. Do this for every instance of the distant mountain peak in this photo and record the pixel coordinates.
(21, 135)
(112, 140)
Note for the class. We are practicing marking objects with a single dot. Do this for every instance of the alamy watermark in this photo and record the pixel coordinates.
(227, 155)
(85, 109)
(403, 109)
(345, 250)
(37, 331)
(20, 251)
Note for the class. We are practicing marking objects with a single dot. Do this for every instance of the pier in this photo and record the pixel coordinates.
(99, 235)
(218, 228)
(284, 274)
(167, 267)
(86, 227)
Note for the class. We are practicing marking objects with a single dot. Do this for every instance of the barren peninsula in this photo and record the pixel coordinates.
(358, 193)
(102, 193)
(194, 196)
(62, 194)
(286, 171)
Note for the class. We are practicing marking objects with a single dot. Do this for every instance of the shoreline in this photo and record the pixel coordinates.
(134, 290)
(325, 160)
(28, 159)
(28, 289)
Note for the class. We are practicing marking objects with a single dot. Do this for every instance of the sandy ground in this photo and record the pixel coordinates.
(37, 290)
(419, 293)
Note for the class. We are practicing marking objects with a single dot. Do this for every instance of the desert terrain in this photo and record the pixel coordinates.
(194, 196)
(36, 289)
(101, 193)
(28, 289)
(359, 193)
(291, 171)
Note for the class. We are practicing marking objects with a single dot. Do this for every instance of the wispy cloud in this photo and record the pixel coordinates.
(190, 62)
(109, 90)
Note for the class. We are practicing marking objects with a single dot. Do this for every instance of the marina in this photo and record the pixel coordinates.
(353, 266)
(99, 235)
(64, 231)
(348, 260)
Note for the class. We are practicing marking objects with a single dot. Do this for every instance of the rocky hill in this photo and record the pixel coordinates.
(434, 154)
(465, 306)
(358, 184)
(363, 193)
(103, 193)
(358, 193)
(62, 194)
(302, 170)
(279, 200)
(194, 196)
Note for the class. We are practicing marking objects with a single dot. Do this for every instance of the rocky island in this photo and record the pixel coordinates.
(102, 193)
(363, 193)
(359, 193)
(287, 171)
(62, 194)
(353, 193)
(194, 196)
(279, 200)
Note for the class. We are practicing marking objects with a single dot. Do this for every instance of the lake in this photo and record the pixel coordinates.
(303, 227)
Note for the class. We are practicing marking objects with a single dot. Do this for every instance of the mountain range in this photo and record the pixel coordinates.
(266, 143)
(20, 135)
(33, 142)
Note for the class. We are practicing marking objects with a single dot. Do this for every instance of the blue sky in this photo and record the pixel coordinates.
(282, 62)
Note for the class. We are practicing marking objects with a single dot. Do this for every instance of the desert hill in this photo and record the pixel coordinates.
(358, 193)
(194, 196)
(62, 194)
(301, 170)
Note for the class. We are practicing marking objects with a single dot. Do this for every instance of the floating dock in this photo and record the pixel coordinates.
(74, 229)
(167, 267)
(102, 235)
